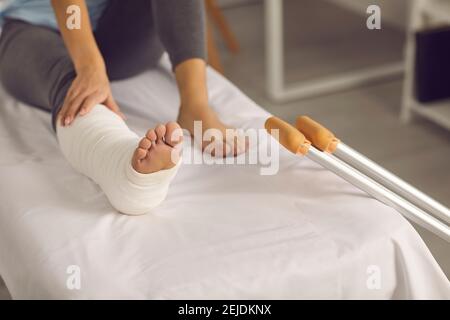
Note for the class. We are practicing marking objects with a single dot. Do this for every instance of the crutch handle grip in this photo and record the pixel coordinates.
(320, 137)
(288, 136)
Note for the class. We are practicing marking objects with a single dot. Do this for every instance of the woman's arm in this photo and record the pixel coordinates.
(79, 42)
(91, 86)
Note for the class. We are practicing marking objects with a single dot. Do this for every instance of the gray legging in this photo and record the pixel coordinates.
(35, 66)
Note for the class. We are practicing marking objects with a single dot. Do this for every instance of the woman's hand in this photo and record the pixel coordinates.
(90, 87)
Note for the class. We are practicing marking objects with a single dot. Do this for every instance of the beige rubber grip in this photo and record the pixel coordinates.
(289, 137)
(321, 138)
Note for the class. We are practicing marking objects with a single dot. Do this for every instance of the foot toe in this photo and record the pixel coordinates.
(174, 134)
(241, 145)
(160, 131)
(151, 135)
(145, 143)
(140, 153)
(236, 141)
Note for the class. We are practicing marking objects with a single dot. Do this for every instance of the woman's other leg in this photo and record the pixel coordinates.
(127, 38)
(181, 27)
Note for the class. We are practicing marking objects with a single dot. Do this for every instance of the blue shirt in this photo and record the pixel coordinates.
(40, 12)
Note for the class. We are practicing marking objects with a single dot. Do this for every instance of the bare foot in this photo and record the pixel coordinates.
(209, 120)
(158, 149)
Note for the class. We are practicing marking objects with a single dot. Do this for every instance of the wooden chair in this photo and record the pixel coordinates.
(215, 16)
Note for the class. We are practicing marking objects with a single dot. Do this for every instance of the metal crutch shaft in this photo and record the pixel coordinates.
(392, 182)
(380, 193)
(324, 140)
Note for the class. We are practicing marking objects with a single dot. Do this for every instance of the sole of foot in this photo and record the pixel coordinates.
(159, 149)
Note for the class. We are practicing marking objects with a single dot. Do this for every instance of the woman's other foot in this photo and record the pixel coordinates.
(232, 143)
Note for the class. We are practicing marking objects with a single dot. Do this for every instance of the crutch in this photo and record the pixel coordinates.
(324, 140)
(296, 142)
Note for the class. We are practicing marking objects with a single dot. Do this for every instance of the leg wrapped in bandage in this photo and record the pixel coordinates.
(101, 146)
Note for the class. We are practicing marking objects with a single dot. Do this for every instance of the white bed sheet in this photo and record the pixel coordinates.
(223, 232)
